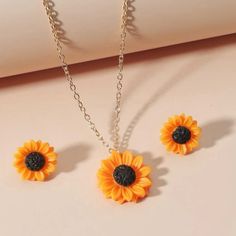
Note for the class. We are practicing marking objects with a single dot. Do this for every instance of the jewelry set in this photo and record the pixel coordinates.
(123, 176)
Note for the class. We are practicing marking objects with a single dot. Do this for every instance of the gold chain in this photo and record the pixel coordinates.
(49, 11)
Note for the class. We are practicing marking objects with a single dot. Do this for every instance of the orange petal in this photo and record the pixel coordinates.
(27, 146)
(167, 128)
(175, 148)
(166, 135)
(34, 146)
(26, 174)
(108, 165)
(170, 146)
(166, 139)
(178, 120)
(189, 147)
(145, 171)
(188, 121)
(183, 149)
(39, 144)
(19, 155)
(107, 193)
(52, 156)
(103, 174)
(32, 177)
(44, 148)
(18, 161)
(23, 170)
(116, 158)
(194, 124)
(127, 194)
(194, 142)
(135, 198)
(182, 117)
(116, 192)
(144, 182)
(127, 158)
(20, 169)
(196, 131)
(39, 175)
(138, 190)
(23, 151)
(106, 184)
(50, 150)
(137, 162)
(121, 200)
(50, 168)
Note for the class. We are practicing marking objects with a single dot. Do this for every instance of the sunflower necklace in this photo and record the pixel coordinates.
(122, 176)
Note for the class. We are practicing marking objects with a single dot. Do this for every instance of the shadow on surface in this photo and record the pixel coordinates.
(70, 157)
(157, 174)
(214, 131)
(59, 30)
(170, 83)
(131, 26)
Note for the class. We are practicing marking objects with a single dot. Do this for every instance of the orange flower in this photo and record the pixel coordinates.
(180, 134)
(35, 160)
(123, 177)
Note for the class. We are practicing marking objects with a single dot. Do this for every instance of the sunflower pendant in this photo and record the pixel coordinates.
(180, 134)
(124, 178)
(35, 160)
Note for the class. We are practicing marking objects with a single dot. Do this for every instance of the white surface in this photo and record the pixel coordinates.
(191, 196)
(93, 28)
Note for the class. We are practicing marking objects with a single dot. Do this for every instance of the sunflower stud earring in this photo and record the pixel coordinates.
(180, 134)
(124, 178)
(35, 160)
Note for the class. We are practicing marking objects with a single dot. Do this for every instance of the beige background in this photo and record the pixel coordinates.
(194, 195)
(92, 28)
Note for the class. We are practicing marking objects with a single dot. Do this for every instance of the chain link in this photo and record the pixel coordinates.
(49, 11)
(116, 129)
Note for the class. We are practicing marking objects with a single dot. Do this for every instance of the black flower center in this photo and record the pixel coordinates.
(181, 135)
(124, 175)
(35, 161)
